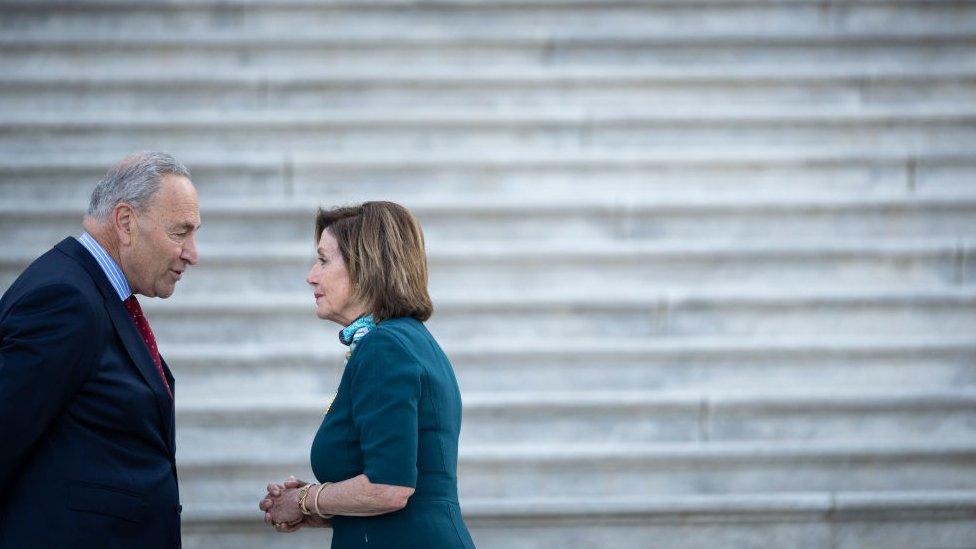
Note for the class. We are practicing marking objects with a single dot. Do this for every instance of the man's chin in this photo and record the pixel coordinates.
(163, 293)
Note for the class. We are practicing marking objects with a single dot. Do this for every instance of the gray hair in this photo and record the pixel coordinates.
(134, 180)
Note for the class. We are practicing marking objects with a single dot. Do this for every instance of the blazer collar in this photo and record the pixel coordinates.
(73, 249)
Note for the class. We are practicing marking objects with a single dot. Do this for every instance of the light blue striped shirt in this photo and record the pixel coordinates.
(108, 265)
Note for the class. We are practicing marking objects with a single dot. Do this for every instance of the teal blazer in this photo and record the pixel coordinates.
(396, 418)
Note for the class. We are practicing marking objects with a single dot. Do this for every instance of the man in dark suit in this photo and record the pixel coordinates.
(86, 402)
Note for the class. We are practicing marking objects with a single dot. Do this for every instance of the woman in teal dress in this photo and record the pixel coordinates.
(385, 456)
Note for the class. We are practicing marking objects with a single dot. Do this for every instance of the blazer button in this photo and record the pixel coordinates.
(179, 508)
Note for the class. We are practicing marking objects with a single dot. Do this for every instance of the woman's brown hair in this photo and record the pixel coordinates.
(383, 247)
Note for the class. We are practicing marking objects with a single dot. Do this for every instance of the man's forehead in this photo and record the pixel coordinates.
(176, 193)
(177, 185)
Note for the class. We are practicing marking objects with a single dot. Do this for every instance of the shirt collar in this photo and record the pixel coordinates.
(108, 265)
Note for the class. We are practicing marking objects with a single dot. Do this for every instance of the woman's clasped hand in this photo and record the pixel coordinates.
(282, 508)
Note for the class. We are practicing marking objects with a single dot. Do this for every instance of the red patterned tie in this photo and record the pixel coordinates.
(139, 318)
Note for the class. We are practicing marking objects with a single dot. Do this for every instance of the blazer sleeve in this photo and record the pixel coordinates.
(47, 340)
(385, 392)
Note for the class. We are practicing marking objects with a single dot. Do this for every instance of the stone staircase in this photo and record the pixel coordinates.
(706, 269)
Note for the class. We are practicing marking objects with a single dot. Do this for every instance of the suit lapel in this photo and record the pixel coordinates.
(171, 419)
(131, 340)
(139, 353)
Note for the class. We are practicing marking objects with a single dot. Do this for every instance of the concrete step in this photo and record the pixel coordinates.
(726, 171)
(508, 268)
(491, 88)
(503, 471)
(811, 520)
(532, 23)
(207, 6)
(933, 363)
(243, 318)
(219, 427)
(181, 54)
(489, 76)
(453, 4)
(907, 129)
(542, 223)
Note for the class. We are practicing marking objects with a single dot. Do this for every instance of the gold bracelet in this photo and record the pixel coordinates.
(302, 494)
(316, 501)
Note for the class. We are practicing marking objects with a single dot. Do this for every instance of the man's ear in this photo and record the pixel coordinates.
(124, 222)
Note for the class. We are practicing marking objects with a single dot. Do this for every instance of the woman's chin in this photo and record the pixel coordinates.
(330, 317)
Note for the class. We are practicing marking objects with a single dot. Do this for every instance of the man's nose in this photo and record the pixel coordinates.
(190, 250)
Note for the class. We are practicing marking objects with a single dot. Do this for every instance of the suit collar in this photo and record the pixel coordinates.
(73, 249)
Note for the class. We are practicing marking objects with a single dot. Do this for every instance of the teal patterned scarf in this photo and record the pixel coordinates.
(351, 334)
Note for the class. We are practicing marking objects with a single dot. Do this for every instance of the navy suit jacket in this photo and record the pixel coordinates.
(87, 451)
